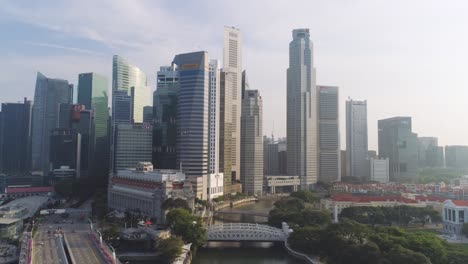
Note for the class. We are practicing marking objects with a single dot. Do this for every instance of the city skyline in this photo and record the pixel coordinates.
(382, 62)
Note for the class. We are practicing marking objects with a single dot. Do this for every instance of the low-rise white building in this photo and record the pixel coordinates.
(215, 185)
(454, 216)
(144, 190)
(272, 182)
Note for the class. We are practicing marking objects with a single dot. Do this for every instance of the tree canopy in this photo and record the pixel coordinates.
(170, 248)
(187, 226)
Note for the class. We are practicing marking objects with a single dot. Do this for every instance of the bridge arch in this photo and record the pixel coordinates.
(246, 232)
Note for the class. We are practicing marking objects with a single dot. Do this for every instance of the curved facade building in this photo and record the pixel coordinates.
(192, 118)
(126, 77)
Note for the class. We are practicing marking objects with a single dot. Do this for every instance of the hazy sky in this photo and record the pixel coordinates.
(406, 58)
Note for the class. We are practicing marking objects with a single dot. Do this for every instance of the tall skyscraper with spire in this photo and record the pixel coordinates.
(232, 66)
(302, 110)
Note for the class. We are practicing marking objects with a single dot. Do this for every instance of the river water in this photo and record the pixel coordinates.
(243, 252)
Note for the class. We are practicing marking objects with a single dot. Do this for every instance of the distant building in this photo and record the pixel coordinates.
(93, 93)
(144, 190)
(282, 156)
(48, 95)
(430, 154)
(337, 202)
(252, 143)
(165, 118)
(343, 163)
(15, 137)
(356, 139)
(132, 144)
(372, 154)
(81, 120)
(454, 216)
(65, 150)
(129, 78)
(379, 170)
(399, 144)
(130, 94)
(148, 114)
(456, 157)
(329, 133)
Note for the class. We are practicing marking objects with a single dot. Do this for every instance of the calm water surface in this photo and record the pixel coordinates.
(243, 252)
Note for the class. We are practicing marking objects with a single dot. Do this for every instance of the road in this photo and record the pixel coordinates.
(82, 249)
(47, 247)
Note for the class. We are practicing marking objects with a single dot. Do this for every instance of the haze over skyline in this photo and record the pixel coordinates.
(404, 58)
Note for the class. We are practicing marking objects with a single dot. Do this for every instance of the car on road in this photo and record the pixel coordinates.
(40, 243)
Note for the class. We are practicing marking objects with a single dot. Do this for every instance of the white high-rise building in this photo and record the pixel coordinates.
(213, 117)
(357, 162)
(232, 64)
(302, 157)
(215, 178)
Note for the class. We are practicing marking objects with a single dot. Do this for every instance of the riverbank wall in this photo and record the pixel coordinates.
(300, 255)
(230, 204)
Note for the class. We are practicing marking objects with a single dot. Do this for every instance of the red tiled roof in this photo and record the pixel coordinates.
(460, 202)
(430, 198)
(344, 197)
(10, 190)
(145, 184)
(137, 183)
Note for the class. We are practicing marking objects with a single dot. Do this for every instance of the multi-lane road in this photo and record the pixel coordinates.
(48, 247)
(82, 249)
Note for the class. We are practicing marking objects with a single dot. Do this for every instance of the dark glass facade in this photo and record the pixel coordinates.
(165, 119)
(93, 94)
(65, 149)
(15, 136)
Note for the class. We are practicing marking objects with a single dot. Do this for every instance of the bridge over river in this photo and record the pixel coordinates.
(247, 232)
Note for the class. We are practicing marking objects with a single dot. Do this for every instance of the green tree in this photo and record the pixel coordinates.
(465, 229)
(170, 248)
(67, 188)
(305, 195)
(187, 226)
(175, 203)
(307, 240)
(402, 255)
(290, 204)
(368, 253)
(429, 245)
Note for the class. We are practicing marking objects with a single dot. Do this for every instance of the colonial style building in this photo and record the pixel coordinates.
(144, 190)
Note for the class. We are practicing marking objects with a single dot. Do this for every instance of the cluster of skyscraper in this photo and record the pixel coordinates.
(205, 120)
